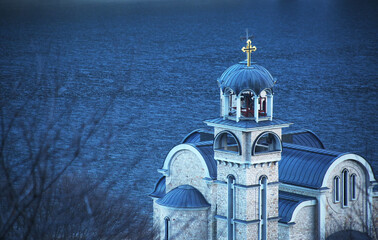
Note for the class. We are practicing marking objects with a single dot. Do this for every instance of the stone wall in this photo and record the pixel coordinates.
(184, 224)
(353, 216)
(375, 217)
(283, 231)
(305, 224)
(187, 168)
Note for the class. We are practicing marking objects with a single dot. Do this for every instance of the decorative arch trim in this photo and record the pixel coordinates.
(269, 91)
(179, 148)
(263, 176)
(216, 140)
(244, 90)
(263, 133)
(300, 206)
(354, 157)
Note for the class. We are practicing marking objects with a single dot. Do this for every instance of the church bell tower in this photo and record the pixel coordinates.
(247, 148)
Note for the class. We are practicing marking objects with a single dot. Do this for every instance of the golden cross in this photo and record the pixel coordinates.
(249, 49)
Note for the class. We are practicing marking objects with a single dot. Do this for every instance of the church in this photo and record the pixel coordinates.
(247, 176)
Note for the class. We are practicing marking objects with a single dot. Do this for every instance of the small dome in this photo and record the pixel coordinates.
(237, 67)
(184, 196)
(255, 78)
(231, 70)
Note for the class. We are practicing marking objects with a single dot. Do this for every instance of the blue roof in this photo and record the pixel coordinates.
(207, 152)
(199, 135)
(302, 137)
(237, 67)
(287, 202)
(159, 189)
(184, 196)
(305, 166)
(255, 78)
(230, 70)
(245, 124)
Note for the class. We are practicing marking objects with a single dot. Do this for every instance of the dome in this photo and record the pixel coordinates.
(237, 67)
(184, 196)
(231, 70)
(255, 78)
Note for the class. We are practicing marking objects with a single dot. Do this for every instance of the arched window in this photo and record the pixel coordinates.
(166, 227)
(231, 207)
(353, 186)
(263, 208)
(336, 189)
(247, 103)
(227, 141)
(267, 142)
(345, 173)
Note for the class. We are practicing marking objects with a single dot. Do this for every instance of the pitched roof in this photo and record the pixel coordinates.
(287, 203)
(184, 196)
(199, 135)
(305, 166)
(302, 137)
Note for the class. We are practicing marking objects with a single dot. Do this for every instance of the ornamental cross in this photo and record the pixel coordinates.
(249, 49)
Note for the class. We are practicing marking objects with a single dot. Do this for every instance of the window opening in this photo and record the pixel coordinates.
(247, 104)
(231, 207)
(263, 208)
(166, 223)
(336, 189)
(262, 110)
(345, 188)
(353, 186)
(227, 142)
(268, 142)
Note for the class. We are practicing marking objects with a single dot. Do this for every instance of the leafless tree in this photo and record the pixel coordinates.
(42, 195)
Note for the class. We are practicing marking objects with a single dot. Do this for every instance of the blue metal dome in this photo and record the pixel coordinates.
(239, 77)
(184, 196)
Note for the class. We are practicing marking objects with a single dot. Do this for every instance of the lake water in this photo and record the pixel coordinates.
(159, 63)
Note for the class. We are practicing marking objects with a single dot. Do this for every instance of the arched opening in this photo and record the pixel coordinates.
(353, 186)
(336, 189)
(263, 207)
(345, 174)
(263, 104)
(267, 142)
(231, 204)
(227, 141)
(229, 103)
(247, 104)
(166, 228)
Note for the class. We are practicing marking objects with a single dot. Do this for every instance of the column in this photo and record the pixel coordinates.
(321, 216)
(269, 106)
(238, 108)
(256, 108)
(226, 106)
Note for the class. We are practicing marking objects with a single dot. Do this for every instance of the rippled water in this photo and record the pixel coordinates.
(160, 62)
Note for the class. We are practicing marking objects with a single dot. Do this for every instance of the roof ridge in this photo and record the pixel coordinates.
(312, 149)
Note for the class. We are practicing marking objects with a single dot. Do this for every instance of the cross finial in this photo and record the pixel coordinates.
(249, 49)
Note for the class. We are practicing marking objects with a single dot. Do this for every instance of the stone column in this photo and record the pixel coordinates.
(256, 108)
(321, 215)
(269, 106)
(238, 108)
(226, 106)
